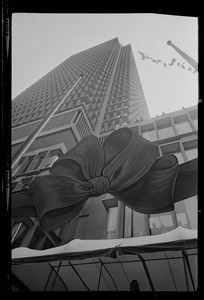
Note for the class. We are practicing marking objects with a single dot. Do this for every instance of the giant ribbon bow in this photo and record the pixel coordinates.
(126, 166)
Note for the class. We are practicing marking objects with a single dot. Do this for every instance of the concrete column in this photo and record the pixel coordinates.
(174, 126)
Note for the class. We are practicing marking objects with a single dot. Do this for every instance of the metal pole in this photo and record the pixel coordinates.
(26, 144)
(190, 60)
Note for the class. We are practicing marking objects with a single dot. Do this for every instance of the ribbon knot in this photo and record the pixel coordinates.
(100, 185)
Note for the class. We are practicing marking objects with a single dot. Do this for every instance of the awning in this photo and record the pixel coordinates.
(162, 262)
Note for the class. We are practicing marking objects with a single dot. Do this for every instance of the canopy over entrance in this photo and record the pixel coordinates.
(165, 262)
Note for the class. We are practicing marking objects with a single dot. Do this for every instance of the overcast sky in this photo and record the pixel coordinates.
(40, 42)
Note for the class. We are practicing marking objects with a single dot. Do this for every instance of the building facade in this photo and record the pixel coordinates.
(109, 96)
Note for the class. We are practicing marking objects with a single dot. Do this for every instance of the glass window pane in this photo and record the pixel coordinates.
(39, 159)
(183, 127)
(191, 206)
(182, 220)
(139, 226)
(51, 161)
(192, 153)
(181, 214)
(112, 223)
(150, 135)
(16, 170)
(27, 164)
(195, 121)
(166, 132)
(161, 223)
(179, 157)
(128, 222)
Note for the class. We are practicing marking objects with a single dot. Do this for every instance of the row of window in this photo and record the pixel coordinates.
(31, 163)
(115, 124)
(153, 132)
(120, 113)
(166, 132)
(137, 224)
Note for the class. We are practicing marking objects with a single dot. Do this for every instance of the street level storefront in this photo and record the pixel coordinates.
(165, 262)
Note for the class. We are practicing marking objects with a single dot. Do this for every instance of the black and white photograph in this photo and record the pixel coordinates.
(104, 149)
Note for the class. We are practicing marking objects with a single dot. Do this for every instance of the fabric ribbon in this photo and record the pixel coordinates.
(126, 166)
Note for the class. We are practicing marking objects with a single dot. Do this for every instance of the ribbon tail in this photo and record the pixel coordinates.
(152, 193)
(22, 205)
(186, 184)
(54, 200)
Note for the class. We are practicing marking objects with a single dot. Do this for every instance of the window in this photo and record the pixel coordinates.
(109, 126)
(119, 106)
(139, 224)
(38, 160)
(179, 157)
(26, 164)
(18, 166)
(183, 127)
(125, 121)
(182, 220)
(135, 223)
(111, 116)
(125, 112)
(51, 160)
(128, 222)
(150, 135)
(161, 223)
(118, 114)
(186, 212)
(166, 132)
(18, 233)
(43, 159)
(117, 124)
(192, 153)
(102, 128)
(195, 121)
(171, 148)
(112, 223)
(181, 214)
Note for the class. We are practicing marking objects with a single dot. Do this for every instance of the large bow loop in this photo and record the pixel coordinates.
(85, 161)
(134, 159)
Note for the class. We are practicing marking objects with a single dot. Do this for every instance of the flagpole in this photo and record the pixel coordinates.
(26, 144)
(190, 60)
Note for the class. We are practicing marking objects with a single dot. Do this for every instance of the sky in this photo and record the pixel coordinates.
(40, 42)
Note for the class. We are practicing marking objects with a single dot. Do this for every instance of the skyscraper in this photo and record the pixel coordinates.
(110, 91)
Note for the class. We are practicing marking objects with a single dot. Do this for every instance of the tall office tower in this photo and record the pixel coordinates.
(109, 93)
